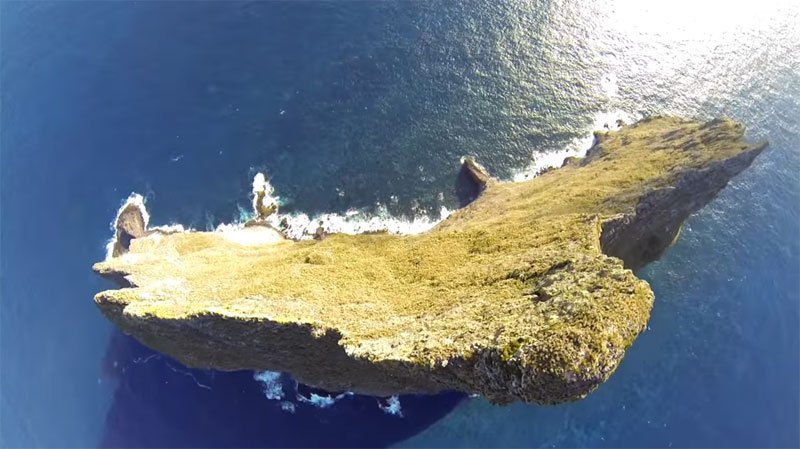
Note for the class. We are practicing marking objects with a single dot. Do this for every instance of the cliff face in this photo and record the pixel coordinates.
(526, 294)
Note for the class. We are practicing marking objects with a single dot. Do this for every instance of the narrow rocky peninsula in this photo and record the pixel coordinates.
(526, 294)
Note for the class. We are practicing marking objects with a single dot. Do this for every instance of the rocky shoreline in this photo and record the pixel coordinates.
(526, 294)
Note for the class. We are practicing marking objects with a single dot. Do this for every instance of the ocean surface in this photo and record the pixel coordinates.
(369, 106)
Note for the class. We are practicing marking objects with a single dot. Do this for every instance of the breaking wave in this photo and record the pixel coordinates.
(602, 121)
(273, 385)
(392, 407)
(300, 226)
(322, 400)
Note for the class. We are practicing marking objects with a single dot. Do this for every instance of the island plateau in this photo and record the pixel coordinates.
(528, 293)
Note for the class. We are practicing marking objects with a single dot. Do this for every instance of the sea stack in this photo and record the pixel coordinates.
(526, 294)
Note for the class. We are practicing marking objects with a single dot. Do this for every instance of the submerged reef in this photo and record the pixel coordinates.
(526, 294)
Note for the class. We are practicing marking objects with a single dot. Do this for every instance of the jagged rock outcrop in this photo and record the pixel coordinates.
(130, 225)
(526, 294)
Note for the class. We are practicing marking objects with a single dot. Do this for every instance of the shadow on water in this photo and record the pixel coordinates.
(160, 403)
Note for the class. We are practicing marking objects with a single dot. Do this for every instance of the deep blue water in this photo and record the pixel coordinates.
(355, 104)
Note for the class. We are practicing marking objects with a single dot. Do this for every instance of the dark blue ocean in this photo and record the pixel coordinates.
(370, 105)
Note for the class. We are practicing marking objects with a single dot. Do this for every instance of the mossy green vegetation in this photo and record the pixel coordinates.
(522, 295)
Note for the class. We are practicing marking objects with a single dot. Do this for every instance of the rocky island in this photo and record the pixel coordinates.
(526, 294)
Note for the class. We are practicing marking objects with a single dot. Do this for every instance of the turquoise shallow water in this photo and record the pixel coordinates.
(359, 104)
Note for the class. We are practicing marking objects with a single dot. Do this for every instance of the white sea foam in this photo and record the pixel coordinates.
(392, 406)
(317, 400)
(110, 247)
(296, 226)
(170, 228)
(603, 121)
(287, 406)
(322, 401)
(300, 226)
(271, 384)
(272, 388)
(229, 227)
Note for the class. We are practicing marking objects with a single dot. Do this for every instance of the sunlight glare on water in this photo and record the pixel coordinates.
(700, 24)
